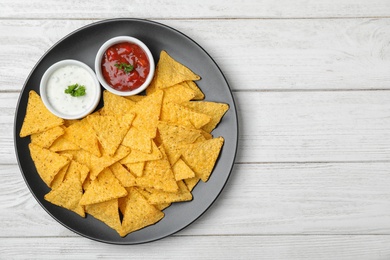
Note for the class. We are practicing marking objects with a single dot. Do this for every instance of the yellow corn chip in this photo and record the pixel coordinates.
(107, 212)
(159, 197)
(138, 140)
(191, 183)
(62, 144)
(213, 109)
(158, 174)
(68, 194)
(105, 187)
(60, 176)
(148, 113)
(182, 171)
(45, 139)
(202, 156)
(137, 212)
(192, 85)
(173, 137)
(115, 105)
(124, 176)
(170, 72)
(38, 118)
(136, 168)
(110, 130)
(175, 113)
(135, 98)
(178, 94)
(138, 156)
(47, 163)
(83, 135)
(97, 164)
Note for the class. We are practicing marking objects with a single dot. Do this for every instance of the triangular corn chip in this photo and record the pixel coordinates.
(136, 168)
(47, 163)
(123, 175)
(159, 197)
(202, 156)
(107, 212)
(137, 212)
(138, 140)
(105, 187)
(182, 171)
(213, 109)
(138, 156)
(110, 130)
(175, 113)
(46, 139)
(170, 72)
(115, 105)
(38, 118)
(68, 194)
(83, 135)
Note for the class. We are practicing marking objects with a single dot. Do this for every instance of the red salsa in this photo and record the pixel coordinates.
(125, 66)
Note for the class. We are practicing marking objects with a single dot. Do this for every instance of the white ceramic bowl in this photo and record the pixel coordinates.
(98, 67)
(77, 111)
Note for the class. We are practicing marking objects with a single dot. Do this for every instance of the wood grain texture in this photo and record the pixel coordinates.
(76, 9)
(210, 247)
(253, 54)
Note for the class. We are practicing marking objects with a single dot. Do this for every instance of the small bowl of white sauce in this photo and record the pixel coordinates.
(70, 89)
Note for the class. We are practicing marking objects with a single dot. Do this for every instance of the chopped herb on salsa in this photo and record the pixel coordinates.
(75, 90)
(127, 68)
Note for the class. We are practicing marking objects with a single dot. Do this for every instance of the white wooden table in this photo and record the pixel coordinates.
(311, 80)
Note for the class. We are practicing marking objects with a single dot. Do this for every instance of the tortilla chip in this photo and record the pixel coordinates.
(202, 156)
(158, 174)
(174, 113)
(60, 176)
(38, 118)
(178, 94)
(197, 91)
(137, 212)
(136, 168)
(124, 176)
(47, 163)
(213, 109)
(46, 139)
(68, 194)
(170, 72)
(138, 156)
(83, 135)
(148, 113)
(105, 187)
(115, 105)
(173, 137)
(159, 197)
(191, 183)
(182, 171)
(107, 212)
(135, 98)
(137, 139)
(110, 130)
(62, 144)
(97, 164)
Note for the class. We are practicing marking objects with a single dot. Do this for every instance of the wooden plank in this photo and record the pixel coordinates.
(287, 126)
(259, 199)
(219, 247)
(72, 9)
(254, 54)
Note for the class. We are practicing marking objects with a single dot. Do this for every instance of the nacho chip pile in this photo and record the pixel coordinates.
(134, 157)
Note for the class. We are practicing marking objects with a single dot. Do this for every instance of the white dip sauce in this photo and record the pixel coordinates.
(60, 80)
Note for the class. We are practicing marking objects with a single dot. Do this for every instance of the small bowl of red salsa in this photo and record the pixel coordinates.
(124, 66)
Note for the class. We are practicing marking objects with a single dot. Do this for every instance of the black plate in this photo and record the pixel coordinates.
(83, 45)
